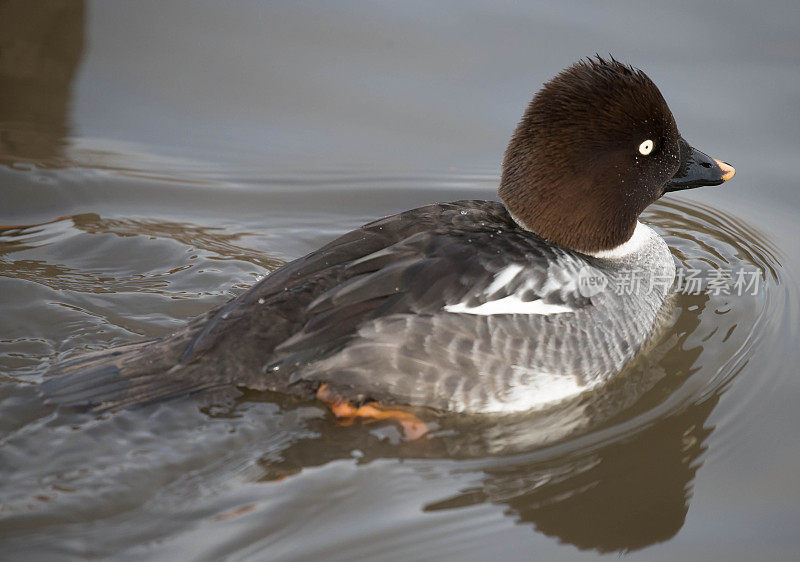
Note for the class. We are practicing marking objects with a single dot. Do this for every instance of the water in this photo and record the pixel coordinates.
(157, 160)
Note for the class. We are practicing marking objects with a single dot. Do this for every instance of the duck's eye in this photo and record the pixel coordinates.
(646, 147)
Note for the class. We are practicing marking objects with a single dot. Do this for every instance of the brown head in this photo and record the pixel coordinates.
(596, 146)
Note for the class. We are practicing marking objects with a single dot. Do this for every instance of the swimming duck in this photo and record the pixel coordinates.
(469, 306)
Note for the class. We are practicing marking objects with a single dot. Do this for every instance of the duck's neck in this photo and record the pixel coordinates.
(568, 210)
(641, 238)
(577, 225)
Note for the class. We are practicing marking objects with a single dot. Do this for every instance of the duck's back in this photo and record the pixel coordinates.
(451, 306)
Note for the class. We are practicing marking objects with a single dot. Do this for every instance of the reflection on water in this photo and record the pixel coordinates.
(40, 48)
(620, 497)
(211, 240)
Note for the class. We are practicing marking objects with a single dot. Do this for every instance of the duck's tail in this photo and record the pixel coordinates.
(124, 376)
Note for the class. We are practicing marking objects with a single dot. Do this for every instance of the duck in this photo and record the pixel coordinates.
(473, 306)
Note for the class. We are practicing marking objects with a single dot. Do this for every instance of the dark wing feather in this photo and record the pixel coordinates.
(370, 248)
(125, 376)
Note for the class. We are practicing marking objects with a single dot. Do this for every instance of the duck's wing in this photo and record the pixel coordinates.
(442, 320)
(377, 248)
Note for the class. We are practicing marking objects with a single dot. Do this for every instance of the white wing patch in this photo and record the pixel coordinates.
(503, 278)
(512, 304)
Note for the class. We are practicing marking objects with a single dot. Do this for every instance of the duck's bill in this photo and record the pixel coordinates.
(698, 169)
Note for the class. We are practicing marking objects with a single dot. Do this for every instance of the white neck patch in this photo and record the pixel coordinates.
(640, 239)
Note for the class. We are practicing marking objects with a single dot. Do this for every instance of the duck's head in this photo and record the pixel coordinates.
(596, 146)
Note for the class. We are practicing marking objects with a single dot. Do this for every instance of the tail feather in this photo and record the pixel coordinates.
(123, 377)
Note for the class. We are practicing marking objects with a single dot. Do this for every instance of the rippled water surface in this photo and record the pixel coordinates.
(156, 161)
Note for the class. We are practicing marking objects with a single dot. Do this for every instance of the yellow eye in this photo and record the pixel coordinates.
(646, 147)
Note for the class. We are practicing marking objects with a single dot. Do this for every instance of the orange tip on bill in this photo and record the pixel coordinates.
(727, 170)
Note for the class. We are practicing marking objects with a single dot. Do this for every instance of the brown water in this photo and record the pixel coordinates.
(157, 159)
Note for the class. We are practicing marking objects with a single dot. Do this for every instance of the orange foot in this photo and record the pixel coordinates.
(346, 413)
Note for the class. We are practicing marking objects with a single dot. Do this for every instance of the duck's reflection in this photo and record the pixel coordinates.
(618, 493)
(41, 44)
(621, 497)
